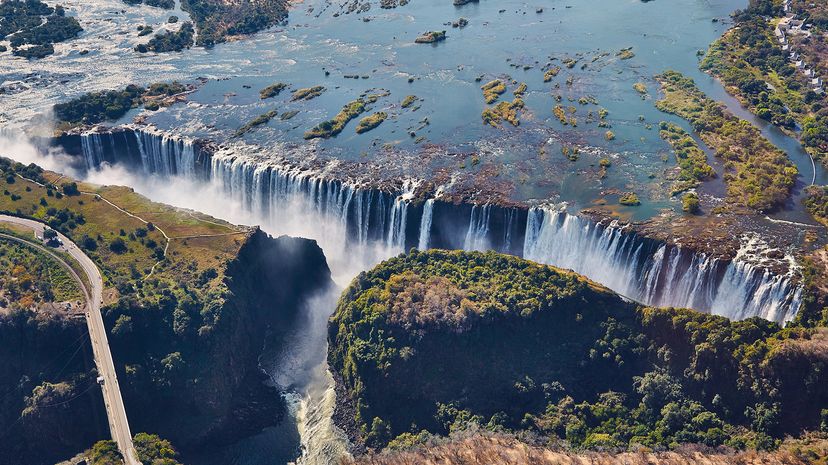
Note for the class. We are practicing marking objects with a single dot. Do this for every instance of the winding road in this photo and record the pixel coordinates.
(118, 424)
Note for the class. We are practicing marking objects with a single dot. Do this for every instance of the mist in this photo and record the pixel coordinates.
(297, 217)
(20, 148)
(299, 366)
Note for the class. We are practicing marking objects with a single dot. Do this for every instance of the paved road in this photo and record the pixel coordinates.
(118, 424)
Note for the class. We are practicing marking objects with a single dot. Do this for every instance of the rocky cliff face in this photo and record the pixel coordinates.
(201, 387)
(431, 343)
(213, 392)
(50, 405)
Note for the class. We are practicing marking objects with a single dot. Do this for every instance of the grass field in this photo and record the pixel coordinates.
(128, 236)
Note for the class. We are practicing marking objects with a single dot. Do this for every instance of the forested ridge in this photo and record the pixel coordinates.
(433, 342)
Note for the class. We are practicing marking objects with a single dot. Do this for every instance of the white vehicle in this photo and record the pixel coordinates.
(100, 380)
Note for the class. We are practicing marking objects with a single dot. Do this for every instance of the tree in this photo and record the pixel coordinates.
(118, 246)
(70, 188)
(89, 243)
(690, 203)
(123, 325)
(105, 453)
(152, 449)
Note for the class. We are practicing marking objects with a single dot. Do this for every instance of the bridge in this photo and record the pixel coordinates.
(93, 292)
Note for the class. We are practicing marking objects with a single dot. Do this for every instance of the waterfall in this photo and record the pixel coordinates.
(425, 224)
(477, 236)
(92, 149)
(342, 214)
(668, 276)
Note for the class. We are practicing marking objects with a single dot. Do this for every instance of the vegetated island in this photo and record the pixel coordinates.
(431, 37)
(189, 302)
(780, 83)
(272, 90)
(759, 176)
(331, 128)
(169, 41)
(307, 93)
(371, 122)
(256, 122)
(440, 342)
(217, 20)
(492, 90)
(165, 4)
(507, 111)
(409, 100)
(32, 27)
(691, 159)
(96, 107)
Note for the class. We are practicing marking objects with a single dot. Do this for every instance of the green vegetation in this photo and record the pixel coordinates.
(629, 199)
(492, 90)
(165, 4)
(690, 203)
(640, 87)
(507, 111)
(560, 113)
(162, 89)
(125, 248)
(169, 41)
(625, 53)
(255, 122)
(521, 89)
(33, 27)
(759, 176)
(105, 453)
(151, 450)
(550, 73)
(184, 294)
(371, 121)
(30, 278)
(409, 100)
(96, 107)
(331, 128)
(751, 63)
(431, 37)
(308, 93)
(816, 203)
(145, 30)
(216, 20)
(272, 90)
(464, 339)
(155, 451)
(691, 159)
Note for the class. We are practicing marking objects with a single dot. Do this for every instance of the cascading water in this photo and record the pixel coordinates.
(425, 224)
(92, 150)
(358, 227)
(477, 236)
(165, 155)
(645, 271)
(399, 216)
(667, 276)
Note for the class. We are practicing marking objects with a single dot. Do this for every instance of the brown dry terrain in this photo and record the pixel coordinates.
(480, 449)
